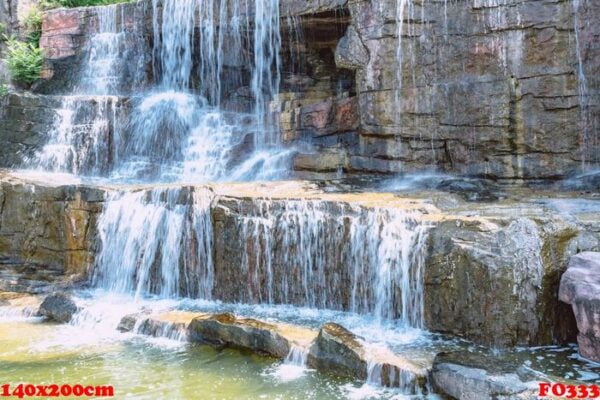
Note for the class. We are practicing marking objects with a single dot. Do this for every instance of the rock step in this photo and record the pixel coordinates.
(331, 349)
(15, 304)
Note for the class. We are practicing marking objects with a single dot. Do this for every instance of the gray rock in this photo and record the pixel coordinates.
(494, 280)
(350, 52)
(469, 376)
(127, 323)
(226, 329)
(580, 287)
(58, 307)
(339, 350)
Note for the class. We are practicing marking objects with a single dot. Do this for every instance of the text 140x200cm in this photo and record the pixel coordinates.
(23, 390)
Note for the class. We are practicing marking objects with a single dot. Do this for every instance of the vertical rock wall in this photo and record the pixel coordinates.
(488, 87)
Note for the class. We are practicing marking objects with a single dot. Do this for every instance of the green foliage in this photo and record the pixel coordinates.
(48, 4)
(3, 90)
(24, 61)
(33, 26)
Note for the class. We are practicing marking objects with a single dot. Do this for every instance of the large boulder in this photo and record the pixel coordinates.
(226, 329)
(493, 278)
(580, 287)
(471, 376)
(58, 307)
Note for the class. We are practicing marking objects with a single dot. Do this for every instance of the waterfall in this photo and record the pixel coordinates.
(266, 69)
(174, 41)
(590, 139)
(80, 141)
(403, 10)
(322, 255)
(179, 129)
(87, 123)
(115, 57)
(156, 242)
(307, 253)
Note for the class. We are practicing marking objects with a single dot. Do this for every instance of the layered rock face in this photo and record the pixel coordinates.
(47, 234)
(507, 90)
(580, 287)
(487, 88)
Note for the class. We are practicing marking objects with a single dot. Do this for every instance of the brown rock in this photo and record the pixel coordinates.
(226, 329)
(580, 287)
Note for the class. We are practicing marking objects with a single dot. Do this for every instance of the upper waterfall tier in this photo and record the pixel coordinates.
(504, 89)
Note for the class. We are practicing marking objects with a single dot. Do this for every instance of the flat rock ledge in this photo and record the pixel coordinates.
(227, 330)
(470, 376)
(580, 287)
(333, 349)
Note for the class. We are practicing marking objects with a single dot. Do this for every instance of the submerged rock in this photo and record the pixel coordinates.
(226, 329)
(470, 376)
(580, 287)
(58, 307)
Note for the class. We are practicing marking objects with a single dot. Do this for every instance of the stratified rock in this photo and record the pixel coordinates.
(493, 278)
(580, 287)
(47, 232)
(470, 376)
(351, 52)
(588, 181)
(58, 307)
(226, 329)
(338, 350)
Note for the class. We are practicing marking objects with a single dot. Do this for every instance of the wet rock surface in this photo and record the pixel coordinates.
(580, 287)
(469, 376)
(226, 329)
(58, 307)
(47, 234)
(337, 349)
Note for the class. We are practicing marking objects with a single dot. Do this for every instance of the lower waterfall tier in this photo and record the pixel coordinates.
(488, 271)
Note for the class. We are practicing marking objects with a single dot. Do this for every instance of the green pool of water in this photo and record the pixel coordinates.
(150, 369)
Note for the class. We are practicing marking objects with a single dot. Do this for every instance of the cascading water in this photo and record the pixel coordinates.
(80, 141)
(201, 51)
(104, 71)
(379, 250)
(404, 10)
(265, 74)
(156, 242)
(368, 261)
